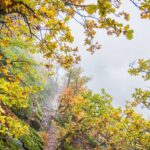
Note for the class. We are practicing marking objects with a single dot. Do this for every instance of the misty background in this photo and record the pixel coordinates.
(109, 66)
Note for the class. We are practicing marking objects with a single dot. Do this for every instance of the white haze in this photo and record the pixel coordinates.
(109, 66)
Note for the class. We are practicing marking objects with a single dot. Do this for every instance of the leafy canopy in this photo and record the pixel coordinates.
(45, 24)
(89, 121)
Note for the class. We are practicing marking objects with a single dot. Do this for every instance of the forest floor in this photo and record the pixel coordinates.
(49, 113)
(51, 132)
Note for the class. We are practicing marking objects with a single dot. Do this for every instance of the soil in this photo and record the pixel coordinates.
(49, 113)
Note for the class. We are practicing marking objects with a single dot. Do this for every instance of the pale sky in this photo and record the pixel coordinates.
(108, 67)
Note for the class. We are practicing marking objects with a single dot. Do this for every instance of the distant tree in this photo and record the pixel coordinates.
(76, 80)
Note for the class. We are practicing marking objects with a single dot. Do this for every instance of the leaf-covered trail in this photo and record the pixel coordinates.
(52, 141)
(50, 112)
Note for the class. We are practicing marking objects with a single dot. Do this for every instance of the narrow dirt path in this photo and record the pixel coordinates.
(50, 112)
(52, 141)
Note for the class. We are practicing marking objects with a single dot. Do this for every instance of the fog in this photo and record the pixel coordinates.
(109, 66)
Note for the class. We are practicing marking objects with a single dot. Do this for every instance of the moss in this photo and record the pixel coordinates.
(9, 144)
(92, 141)
(23, 114)
(32, 141)
(68, 147)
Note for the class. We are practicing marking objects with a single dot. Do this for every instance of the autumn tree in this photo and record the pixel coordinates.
(89, 121)
(11, 93)
(45, 24)
(75, 80)
(141, 96)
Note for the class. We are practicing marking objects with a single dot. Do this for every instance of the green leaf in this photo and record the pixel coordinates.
(92, 9)
(129, 34)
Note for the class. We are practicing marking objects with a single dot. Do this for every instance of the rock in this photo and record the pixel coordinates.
(36, 124)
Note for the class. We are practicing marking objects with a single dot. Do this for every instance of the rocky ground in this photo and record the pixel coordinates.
(49, 113)
(52, 141)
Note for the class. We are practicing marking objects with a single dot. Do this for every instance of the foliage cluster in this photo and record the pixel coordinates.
(89, 121)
